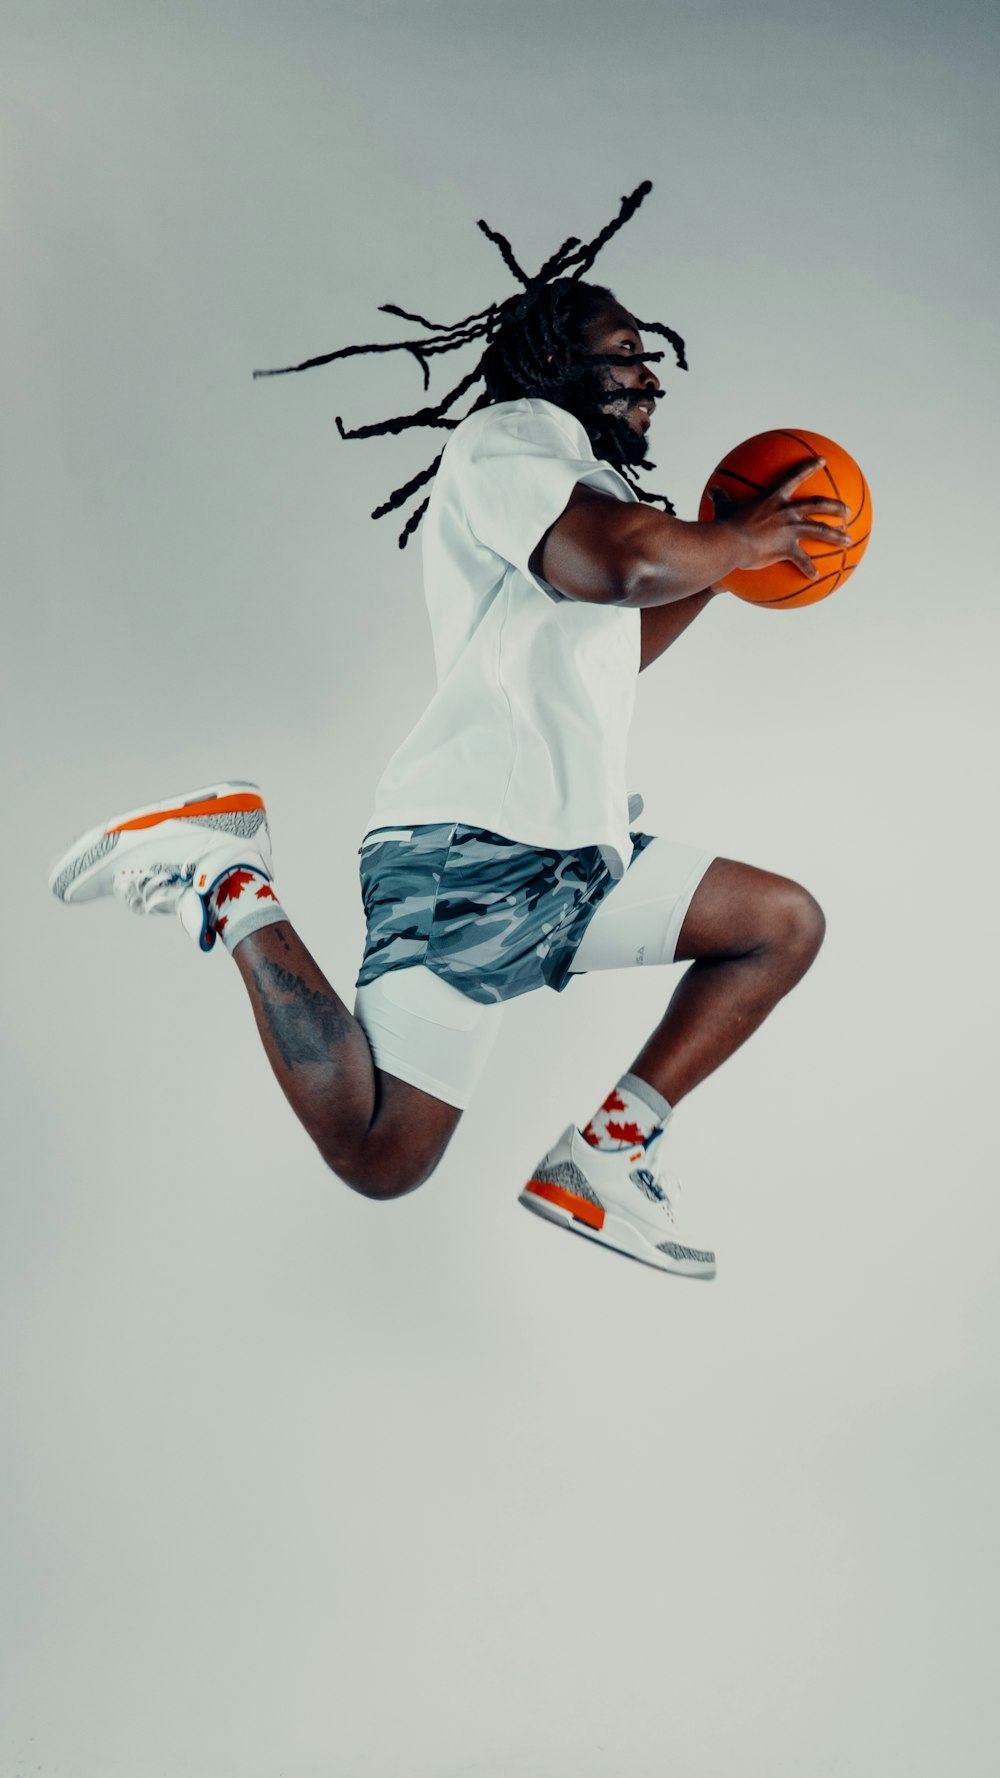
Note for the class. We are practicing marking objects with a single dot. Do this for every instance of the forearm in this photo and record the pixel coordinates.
(671, 561)
(662, 624)
(607, 552)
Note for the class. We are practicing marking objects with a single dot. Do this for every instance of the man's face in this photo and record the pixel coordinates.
(633, 387)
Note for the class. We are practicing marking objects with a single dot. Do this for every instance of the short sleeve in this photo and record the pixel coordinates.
(514, 473)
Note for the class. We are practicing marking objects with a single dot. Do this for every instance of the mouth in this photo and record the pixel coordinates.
(645, 407)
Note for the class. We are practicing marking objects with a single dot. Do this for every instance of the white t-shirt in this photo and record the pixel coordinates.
(527, 732)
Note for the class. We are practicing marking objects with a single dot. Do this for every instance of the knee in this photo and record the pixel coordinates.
(799, 924)
(382, 1187)
(377, 1175)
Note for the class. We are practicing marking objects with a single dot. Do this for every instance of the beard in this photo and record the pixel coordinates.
(604, 417)
(621, 443)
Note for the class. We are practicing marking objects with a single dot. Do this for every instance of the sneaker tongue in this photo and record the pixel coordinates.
(654, 1148)
(194, 918)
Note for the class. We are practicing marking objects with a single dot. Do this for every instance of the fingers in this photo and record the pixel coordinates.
(826, 534)
(811, 504)
(820, 534)
(819, 505)
(803, 562)
(797, 476)
(802, 515)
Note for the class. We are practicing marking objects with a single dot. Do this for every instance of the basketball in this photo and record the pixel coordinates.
(754, 467)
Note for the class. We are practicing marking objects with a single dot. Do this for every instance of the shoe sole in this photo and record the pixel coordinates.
(76, 876)
(581, 1217)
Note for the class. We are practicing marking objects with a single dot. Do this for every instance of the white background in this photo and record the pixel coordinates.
(300, 1486)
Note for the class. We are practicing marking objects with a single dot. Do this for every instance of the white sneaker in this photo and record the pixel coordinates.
(625, 1200)
(166, 858)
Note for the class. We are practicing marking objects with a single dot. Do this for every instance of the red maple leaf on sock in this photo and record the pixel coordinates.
(219, 925)
(232, 887)
(625, 1132)
(613, 1102)
(266, 893)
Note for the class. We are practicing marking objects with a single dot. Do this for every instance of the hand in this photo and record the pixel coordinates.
(770, 527)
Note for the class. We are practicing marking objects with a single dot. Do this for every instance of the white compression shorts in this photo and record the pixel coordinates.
(426, 1032)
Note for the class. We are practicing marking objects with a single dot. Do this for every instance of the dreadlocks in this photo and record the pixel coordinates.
(535, 346)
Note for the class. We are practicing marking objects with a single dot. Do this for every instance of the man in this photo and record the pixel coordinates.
(499, 856)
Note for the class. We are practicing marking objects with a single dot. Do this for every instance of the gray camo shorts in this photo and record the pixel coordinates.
(492, 916)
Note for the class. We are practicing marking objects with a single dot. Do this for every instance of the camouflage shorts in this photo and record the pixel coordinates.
(492, 916)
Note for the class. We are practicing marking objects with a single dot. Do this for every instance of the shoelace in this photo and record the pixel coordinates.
(154, 889)
(667, 1184)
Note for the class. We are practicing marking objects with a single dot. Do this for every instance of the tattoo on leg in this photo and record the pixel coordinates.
(282, 940)
(304, 1022)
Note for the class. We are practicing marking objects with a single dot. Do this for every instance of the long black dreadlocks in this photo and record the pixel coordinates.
(535, 347)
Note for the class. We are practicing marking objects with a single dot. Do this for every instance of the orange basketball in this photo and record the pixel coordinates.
(754, 467)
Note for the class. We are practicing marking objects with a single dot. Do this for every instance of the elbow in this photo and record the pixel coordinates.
(637, 581)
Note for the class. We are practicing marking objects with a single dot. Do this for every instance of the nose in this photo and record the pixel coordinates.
(649, 377)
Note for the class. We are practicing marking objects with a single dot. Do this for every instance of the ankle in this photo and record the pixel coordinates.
(631, 1115)
(241, 901)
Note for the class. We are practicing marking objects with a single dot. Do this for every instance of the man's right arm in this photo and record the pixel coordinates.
(612, 552)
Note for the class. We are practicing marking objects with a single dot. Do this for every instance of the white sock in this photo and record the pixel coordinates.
(242, 901)
(631, 1115)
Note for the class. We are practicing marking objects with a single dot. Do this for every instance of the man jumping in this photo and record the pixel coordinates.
(499, 856)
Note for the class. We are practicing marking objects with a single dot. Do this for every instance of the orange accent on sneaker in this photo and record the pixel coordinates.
(581, 1208)
(213, 805)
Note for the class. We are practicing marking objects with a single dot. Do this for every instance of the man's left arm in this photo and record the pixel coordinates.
(662, 624)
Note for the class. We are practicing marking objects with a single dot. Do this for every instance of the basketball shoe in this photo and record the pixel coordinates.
(167, 857)
(625, 1200)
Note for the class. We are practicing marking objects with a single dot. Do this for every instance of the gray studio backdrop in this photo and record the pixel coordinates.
(297, 1484)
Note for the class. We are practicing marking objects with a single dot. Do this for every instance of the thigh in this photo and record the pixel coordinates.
(428, 1036)
(640, 920)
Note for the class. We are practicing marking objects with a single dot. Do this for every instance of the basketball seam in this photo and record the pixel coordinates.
(735, 476)
(812, 586)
